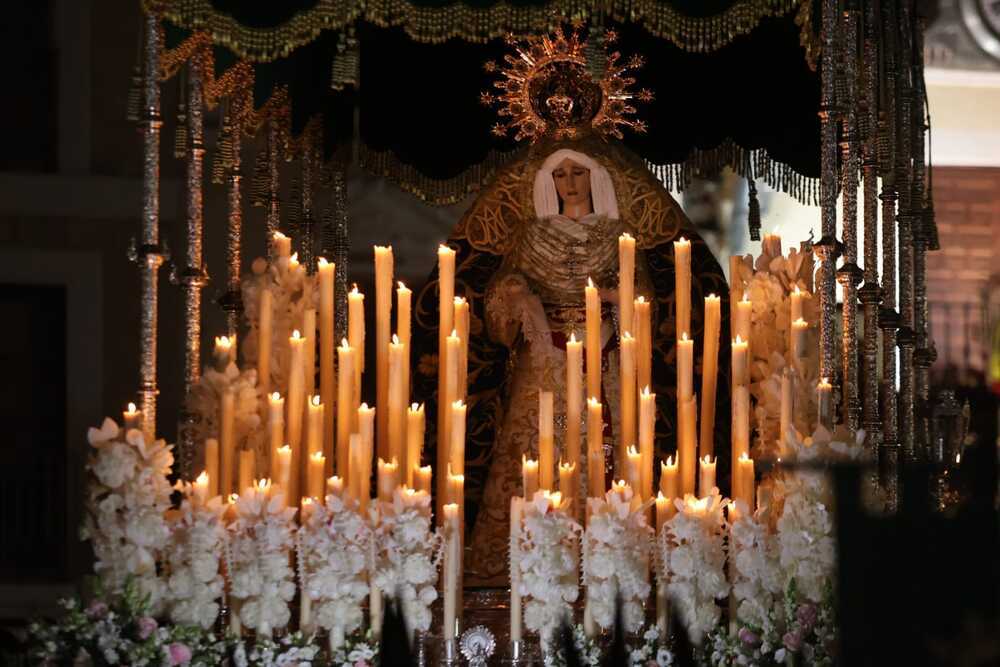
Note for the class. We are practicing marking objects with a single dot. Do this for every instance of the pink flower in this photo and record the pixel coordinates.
(747, 636)
(180, 654)
(792, 641)
(146, 627)
(97, 609)
(361, 663)
(806, 615)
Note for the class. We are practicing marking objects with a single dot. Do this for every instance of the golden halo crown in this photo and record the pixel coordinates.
(546, 88)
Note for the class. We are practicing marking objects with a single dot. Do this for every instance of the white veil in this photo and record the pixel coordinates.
(602, 191)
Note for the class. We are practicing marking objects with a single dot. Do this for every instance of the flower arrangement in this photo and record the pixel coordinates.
(753, 562)
(588, 651)
(197, 540)
(333, 545)
(126, 501)
(358, 650)
(651, 652)
(548, 563)
(693, 555)
(260, 548)
(407, 555)
(292, 649)
(616, 555)
(115, 629)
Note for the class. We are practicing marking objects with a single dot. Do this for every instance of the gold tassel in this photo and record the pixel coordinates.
(259, 186)
(181, 131)
(347, 62)
(223, 159)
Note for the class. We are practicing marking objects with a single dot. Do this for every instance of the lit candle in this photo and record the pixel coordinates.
(745, 488)
(366, 429)
(771, 245)
(316, 419)
(383, 328)
(682, 285)
(199, 489)
(593, 340)
(516, 509)
(283, 475)
(387, 479)
(276, 428)
(824, 404)
(785, 420)
(314, 477)
(800, 328)
(456, 455)
(247, 464)
(796, 298)
(414, 441)
(626, 281)
(397, 403)
(643, 342)
(335, 485)
(663, 505)
(446, 323)
(452, 568)
(546, 441)
(567, 477)
(222, 354)
(293, 263)
(685, 368)
(422, 478)
(706, 475)
(633, 465)
(450, 369)
(574, 397)
(687, 452)
(741, 425)
(309, 351)
(669, 476)
(346, 404)
(295, 407)
(212, 466)
(742, 317)
(595, 448)
(619, 488)
(327, 351)
(356, 333)
(627, 389)
(462, 323)
(741, 375)
(132, 418)
(282, 245)
(647, 432)
(709, 374)
(227, 439)
(529, 476)
(404, 297)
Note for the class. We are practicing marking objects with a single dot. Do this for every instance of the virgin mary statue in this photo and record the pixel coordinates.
(525, 250)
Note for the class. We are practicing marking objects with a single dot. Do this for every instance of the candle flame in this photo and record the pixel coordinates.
(670, 461)
(285, 449)
(958, 457)
(402, 287)
(454, 333)
(572, 336)
(202, 478)
(627, 336)
(278, 236)
(354, 288)
(131, 408)
(457, 479)
(645, 392)
(395, 339)
(590, 282)
(800, 322)
(318, 456)
(527, 463)
(296, 335)
(746, 297)
(306, 501)
(233, 497)
(683, 241)
(594, 402)
(321, 262)
(263, 484)
(698, 505)
(632, 451)
(222, 341)
(684, 336)
(712, 297)
(796, 290)
(315, 399)
(364, 408)
(459, 300)
(425, 470)
(568, 467)
(824, 382)
(554, 498)
(660, 497)
(707, 460)
(275, 396)
(739, 340)
(445, 249)
(458, 405)
(625, 237)
(641, 299)
(294, 259)
(345, 344)
(744, 457)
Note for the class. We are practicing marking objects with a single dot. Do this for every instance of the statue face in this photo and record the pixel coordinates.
(573, 184)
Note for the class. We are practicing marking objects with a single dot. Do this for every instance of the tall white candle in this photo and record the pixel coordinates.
(276, 428)
(706, 475)
(383, 328)
(529, 476)
(709, 374)
(647, 433)
(223, 353)
(327, 351)
(397, 403)
(687, 451)
(227, 439)
(265, 326)
(212, 466)
(626, 281)
(366, 429)
(516, 509)
(456, 455)
(574, 398)
(356, 333)
(685, 367)
(403, 328)
(346, 405)
(449, 369)
(643, 329)
(682, 283)
(546, 441)
(452, 568)
(309, 350)
(462, 323)
(316, 416)
(593, 340)
(627, 389)
(295, 408)
(742, 317)
(414, 441)
(446, 323)
(595, 448)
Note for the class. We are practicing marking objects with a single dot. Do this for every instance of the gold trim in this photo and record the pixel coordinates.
(458, 20)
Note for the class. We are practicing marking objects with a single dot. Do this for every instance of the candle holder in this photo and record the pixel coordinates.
(518, 652)
(449, 652)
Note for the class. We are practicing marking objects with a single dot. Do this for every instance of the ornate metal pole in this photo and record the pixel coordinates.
(906, 337)
(232, 300)
(150, 255)
(870, 293)
(850, 274)
(307, 242)
(194, 276)
(272, 219)
(826, 248)
(888, 317)
(339, 244)
(924, 356)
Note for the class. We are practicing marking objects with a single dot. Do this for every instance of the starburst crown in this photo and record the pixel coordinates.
(546, 89)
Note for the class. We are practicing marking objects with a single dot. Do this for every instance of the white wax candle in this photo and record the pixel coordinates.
(397, 403)
(740, 371)
(276, 428)
(626, 281)
(456, 455)
(706, 475)
(265, 327)
(422, 477)
(800, 328)
(546, 441)
(446, 323)
(741, 427)
(227, 439)
(516, 505)
(448, 367)
(346, 405)
(212, 466)
(785, 419)
(309, 350)
(247, 468)
(824, 404)
(685, 368)
(567, 478)
(335, 485)
(199, 489)
(222, 354)
(383, 328)
(670, 480)
(709, 374)
(452, 568)
(633, 465)
(462, 323)
(327, 352)
(366, 429)
(131, 418)
(682, 282)
(627, 389)
(314, 477)
(595, 448)
(796, 298)
(593, 340)
(574, 397)
(387, 479)
(283, 472)
(295, 407)
(643, 329)
(403, 327)
(687, 447)
(414, 441)
(357, 469)
(663, 505)
(282, 245)
(742, 317)
(316, 417)
(647, 433)
(529, 476)
(356, 332)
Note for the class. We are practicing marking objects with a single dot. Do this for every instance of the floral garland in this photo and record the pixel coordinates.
(127, 498)
(206, 397)
(651, 652)
(197, 538)
(358, 650)
(292, 649)
(753, 560)
(694, 557)
(616, 554)
(261, 543)
(407, 555)
(333, 554)
(548, 562)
